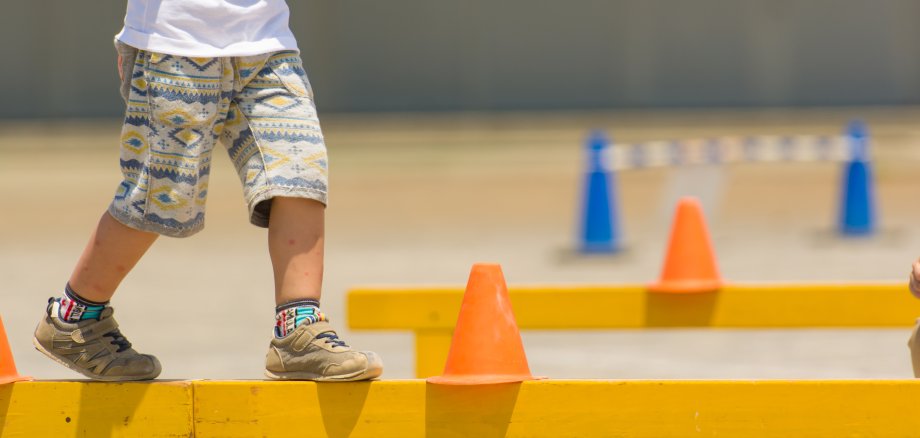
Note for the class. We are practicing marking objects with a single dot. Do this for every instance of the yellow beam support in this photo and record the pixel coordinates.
(613, 307)
(91, 409)
(408, 409)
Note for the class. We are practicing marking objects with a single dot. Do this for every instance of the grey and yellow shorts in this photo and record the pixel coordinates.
(259, 107)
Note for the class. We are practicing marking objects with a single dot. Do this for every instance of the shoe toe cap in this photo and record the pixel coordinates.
(360, 365)
(140, 367)
(373, 360)
(374, 366)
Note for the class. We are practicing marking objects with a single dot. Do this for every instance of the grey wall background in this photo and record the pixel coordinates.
(56, 56)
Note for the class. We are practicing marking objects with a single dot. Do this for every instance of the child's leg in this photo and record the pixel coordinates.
(914, 282)
(112, 251)
(295, 242)
(175, 109)
(274, 140)
(100, 351)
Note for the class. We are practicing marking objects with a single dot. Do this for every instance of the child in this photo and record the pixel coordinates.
(196, 73)
(914, 342)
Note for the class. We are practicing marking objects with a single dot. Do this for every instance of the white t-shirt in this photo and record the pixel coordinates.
(208, 28)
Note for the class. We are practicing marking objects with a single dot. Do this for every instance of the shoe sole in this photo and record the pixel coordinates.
(366, 374)
(74, 367)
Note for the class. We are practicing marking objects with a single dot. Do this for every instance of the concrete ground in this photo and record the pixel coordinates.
(416, 199)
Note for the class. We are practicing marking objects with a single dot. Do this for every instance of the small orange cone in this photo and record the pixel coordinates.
(486, 347)
(8, 373)
(690, 265)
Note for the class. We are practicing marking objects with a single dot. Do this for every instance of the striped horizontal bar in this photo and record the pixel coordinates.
(413, 408)
(618, 307)
(726, 150)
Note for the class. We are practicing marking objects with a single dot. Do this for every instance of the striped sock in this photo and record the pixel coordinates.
(74, 308)
(291, 315)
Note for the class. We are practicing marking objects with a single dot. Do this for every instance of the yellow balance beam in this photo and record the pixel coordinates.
(93, 409)
(413, 408)
(432, 312)
(612, 307)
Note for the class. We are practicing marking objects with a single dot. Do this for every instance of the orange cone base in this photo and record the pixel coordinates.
(8, 373)
(686, 286)
(481, 379)
(10, 379)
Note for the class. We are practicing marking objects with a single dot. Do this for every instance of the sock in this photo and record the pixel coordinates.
(76, 308)
(291, 315)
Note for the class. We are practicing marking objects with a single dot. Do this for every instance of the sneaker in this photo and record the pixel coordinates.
(315, 352)
(94, 348)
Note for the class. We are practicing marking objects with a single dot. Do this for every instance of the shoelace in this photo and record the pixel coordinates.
(119, 340)
(332, 338)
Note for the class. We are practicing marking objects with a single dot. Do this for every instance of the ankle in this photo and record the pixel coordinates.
(74, 308)
(291, 315)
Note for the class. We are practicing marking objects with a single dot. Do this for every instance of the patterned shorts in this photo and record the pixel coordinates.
(259, 107)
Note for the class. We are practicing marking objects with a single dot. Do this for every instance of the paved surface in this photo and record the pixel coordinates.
(418, 199)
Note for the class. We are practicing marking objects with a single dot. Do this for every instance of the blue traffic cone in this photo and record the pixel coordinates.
(600, 227)
(857, 212)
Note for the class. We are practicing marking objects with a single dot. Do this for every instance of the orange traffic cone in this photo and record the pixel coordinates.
(690, 265)
(8, 373)
(486, 347)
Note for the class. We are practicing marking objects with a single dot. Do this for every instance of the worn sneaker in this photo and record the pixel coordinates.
(94, 348)
(315, 352)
